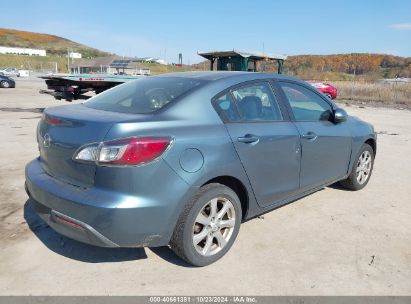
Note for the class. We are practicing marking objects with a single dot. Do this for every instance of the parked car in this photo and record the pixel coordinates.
(7, 82)
(182, 159)
(10, 72)
(325, 88)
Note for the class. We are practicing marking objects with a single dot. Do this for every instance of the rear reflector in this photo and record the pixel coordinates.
(68, 222)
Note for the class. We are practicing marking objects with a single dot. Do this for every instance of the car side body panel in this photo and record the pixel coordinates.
(325, 157)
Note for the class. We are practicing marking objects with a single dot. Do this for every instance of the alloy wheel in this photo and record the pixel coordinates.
(364, 167)
(213, 226)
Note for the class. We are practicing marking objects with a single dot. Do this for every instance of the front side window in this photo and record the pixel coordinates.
(306, 104)
(143, 96)
(256, 102)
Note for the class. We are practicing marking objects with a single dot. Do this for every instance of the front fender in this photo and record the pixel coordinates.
(361, 132)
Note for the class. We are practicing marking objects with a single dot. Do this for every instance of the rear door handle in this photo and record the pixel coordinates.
(310, 136)
(248, 139)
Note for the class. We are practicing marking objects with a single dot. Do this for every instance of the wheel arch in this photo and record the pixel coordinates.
(237, 186)
(372, 142)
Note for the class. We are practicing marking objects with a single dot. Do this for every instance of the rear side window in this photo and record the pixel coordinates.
(143, 96)
(227, 108)
(256, 102)
(305, 104)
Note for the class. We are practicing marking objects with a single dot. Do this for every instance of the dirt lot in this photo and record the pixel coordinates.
(332, 242)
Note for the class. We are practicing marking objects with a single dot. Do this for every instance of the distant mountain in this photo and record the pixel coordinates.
(54, 45)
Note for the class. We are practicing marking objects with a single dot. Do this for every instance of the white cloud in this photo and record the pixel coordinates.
(401, 26)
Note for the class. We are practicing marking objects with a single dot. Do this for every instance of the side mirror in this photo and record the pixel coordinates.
(340, 115)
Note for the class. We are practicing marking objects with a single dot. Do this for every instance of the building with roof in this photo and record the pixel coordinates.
(75, 55)
(22, 51)
(235, 60)
(152, 60)
(109, 65)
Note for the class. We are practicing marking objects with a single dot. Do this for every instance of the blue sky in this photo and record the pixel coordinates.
(166, 28)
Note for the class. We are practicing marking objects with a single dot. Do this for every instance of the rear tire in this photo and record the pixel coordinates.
(208, 225)
(4, 84)
(361, 170)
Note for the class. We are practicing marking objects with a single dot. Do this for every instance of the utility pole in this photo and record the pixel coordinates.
(68, 60)
(353, 83)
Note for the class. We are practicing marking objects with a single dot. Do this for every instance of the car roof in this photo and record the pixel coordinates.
(204, 75)
(221, 75)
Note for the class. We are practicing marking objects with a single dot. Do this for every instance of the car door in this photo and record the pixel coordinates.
(325, 145)
(266, 141)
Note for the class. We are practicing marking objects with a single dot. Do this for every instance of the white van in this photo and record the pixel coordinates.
(24, 73)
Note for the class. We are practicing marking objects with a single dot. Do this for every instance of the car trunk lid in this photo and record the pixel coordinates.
(63, 130)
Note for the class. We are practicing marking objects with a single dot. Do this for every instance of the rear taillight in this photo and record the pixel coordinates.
(123, 152)
(87, 154)
(53, 120)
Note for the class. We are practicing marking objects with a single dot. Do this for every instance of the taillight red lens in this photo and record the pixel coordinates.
(133, 151)
(53, 120)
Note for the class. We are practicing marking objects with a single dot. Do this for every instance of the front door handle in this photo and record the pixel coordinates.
(310, 136)
(248, 139)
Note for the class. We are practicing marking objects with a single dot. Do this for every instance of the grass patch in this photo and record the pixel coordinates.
(35, 63)
(388, 93)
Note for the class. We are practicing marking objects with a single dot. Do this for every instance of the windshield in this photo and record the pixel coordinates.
(143, 96)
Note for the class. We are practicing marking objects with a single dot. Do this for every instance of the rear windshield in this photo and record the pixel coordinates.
(143, 96)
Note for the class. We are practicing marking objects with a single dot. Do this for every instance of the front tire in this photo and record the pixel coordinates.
(4, 84)
(362, 169)
(208, 226)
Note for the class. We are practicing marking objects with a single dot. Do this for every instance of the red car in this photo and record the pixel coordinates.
(325, 88)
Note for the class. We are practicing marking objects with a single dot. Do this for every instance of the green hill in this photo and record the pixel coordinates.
(54, 45)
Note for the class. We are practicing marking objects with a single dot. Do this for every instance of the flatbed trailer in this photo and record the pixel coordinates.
(72, 87)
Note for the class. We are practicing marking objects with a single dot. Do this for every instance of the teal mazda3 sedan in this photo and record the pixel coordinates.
(182, 159)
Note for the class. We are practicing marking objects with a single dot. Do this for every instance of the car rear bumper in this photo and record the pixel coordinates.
(70, 227)
(105, 218)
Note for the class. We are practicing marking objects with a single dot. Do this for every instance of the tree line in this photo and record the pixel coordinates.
(377, 65)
